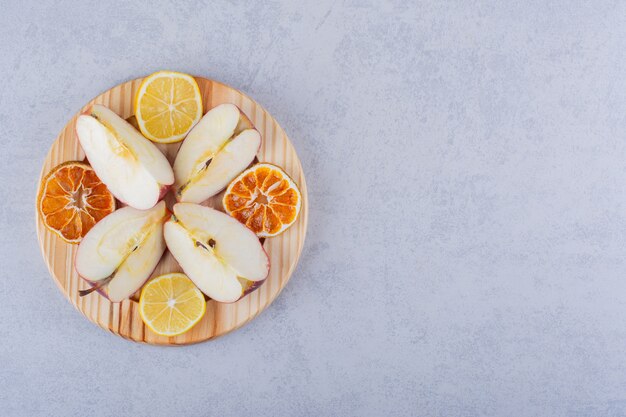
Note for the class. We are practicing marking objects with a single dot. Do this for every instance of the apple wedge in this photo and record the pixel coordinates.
(220, 255)
(120, 252)
(217, 149)
(132, 167)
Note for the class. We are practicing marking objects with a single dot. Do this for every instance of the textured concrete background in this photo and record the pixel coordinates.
(465, 254)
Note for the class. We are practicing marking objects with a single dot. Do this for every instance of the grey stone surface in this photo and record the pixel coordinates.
(465, 254)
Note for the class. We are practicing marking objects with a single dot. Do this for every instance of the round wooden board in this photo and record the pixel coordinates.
(284, 250)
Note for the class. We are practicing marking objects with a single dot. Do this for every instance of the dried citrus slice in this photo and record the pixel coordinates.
(72, 199)
(167, 105)
(264, 198)
(170, 304)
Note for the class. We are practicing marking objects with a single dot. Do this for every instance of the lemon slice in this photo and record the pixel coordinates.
(171, 304)
(167, 105)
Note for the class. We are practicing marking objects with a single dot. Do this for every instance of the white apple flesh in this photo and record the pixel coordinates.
(216, 150)
(132, 167)
(120, 252)
(219, 254)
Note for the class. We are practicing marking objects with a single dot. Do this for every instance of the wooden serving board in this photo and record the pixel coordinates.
(284, 250)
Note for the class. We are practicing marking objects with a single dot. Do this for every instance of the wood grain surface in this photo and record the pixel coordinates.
(123, 318)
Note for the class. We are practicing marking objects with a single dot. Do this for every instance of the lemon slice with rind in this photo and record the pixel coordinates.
(171, 304)
(167, 105)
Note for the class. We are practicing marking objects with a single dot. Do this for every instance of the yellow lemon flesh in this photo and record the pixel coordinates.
(167, 105)
(171, 304)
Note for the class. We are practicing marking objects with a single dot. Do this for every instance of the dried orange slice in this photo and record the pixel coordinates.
(72, 199)
(263, 198)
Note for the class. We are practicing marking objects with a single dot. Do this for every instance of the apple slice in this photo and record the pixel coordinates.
(120, 252)
(132, 167)
(217, 149)
(220, 255)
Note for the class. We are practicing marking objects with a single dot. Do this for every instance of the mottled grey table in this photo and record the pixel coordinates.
(466, 164)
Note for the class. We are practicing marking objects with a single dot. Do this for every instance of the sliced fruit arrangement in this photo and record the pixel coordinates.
(72, 199)
(120, 252)
(171, 305)
(218, 148)
(167, 105)
(132, 167)
(264, 198)
(220, 255)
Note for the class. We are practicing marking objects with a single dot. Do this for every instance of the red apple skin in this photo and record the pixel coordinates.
(249, 287)
(164, 190)
(252, 286)
(87, 111)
